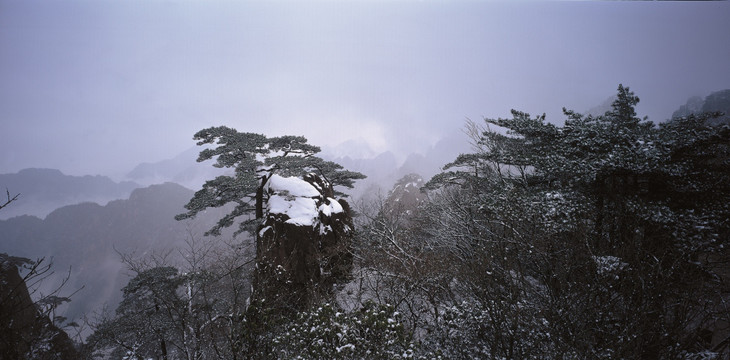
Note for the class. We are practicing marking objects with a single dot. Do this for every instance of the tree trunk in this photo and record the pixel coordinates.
(260, 198)
(163, 348)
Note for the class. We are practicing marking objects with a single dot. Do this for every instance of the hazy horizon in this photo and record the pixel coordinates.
(99, 87)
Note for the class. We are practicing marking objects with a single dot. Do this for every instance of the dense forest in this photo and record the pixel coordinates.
(593, 237)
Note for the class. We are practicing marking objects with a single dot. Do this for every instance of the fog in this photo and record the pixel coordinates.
(97, 87)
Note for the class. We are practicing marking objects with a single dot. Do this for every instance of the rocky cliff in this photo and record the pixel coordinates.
(303, 243)
(717, 101)
(25, 332)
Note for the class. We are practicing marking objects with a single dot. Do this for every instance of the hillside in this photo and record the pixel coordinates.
(44, 190)
(87, 238)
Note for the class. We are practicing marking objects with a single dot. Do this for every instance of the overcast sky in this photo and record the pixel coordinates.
(96, 87)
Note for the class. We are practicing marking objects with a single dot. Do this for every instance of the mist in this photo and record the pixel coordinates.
(100, 100)
(99, 87)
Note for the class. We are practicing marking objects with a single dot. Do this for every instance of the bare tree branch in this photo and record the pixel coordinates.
(9, 198)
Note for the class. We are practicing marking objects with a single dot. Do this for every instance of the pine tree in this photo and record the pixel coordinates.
(622, 221)
(254, 159)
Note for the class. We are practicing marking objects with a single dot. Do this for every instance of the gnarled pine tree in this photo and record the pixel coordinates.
(255, 158)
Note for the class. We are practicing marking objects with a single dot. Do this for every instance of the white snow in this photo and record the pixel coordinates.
(298, 200)
(324, 229)
(333, 207)
(350, 347)
(326, 209)
(294, 186)
(301, 210)
(264, 230)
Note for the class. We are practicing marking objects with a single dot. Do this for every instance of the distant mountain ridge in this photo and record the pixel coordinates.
(382, 169)
(44, 190)
(88, 237)
(183, 169)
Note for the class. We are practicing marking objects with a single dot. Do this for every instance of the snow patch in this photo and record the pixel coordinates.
(294, 186)
(264, 230)
(298, 199)
(350, 347)
(609, 264)
(333, 207)
(300, 210)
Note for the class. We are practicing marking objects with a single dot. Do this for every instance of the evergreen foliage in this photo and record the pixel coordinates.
(372, 332)
(617, 224)
(601, 238)
(254, 159)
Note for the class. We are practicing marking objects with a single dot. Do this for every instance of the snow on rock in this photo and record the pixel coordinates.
(298, 200)
(332, 206)
(303, 241)
(294, 186)
(264, 230)
(300, 210)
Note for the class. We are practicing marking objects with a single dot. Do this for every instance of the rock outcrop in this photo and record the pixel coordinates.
(406, 194)
(26, 333)
(718, 101)
(303, 243)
